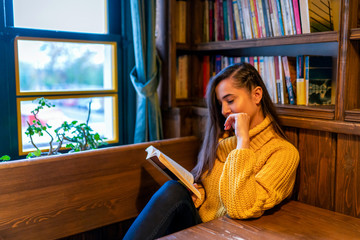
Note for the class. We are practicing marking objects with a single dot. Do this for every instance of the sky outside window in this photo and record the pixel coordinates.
(61, 15)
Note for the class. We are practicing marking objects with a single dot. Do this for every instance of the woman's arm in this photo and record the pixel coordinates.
(246, 194)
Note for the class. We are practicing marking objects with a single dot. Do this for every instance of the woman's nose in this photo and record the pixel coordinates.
(225, 110)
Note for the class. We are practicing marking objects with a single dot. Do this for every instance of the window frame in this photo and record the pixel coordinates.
(118, 22)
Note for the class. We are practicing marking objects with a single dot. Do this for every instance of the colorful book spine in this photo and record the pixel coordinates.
(254, 19)
(280, 20)
(211, 20)
(277, 80)
(221, 21)
(267, 20)
(206, 73)
(231, 23)
(225, 21)
(274, 18)
(260, 17)
(297, 16)
(217, 64)
(245, 6)
(238, 34)
(286, 17)
(300, 81)
(289, 85)
(242, 20)
(292, 16)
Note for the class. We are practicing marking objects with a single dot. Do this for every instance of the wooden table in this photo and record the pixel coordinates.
(293, 220)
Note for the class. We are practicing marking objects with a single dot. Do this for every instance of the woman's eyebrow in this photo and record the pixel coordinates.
(227, 95)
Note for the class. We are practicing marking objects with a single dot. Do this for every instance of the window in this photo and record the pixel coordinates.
(65, 51)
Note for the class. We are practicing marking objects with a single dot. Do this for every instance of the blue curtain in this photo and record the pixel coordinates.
(145, 75)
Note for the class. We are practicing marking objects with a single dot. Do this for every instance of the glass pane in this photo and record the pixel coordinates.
(45, 66)
(101, 118)
(62, 15)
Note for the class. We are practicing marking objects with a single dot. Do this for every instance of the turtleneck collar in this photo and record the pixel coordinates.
(259, 135)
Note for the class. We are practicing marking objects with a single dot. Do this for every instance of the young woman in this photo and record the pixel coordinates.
(245, 165)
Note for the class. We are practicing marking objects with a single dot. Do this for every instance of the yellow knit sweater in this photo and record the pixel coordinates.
(246, 182)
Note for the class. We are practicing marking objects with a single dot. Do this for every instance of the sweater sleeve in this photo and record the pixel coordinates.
(246, 194)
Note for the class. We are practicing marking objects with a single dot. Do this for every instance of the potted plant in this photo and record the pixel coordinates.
(77, 136)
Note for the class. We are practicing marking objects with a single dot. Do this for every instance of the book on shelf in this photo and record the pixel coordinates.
(180, 21)
(267, 20)
(254, 19)
(300, 81)
(236, 17)
(260, 17)
(171, 169)
(225, 20)
(206, 72)
(285, 9)
(289, 84)
(206, 22)
(231, 23)
(297, 16)
(318, 71)
(182, 73)
(292, 16)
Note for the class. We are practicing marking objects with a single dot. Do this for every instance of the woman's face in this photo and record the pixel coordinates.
(236, 100)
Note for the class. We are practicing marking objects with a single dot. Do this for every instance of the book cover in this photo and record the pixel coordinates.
(231, 23)
(238, 33)
(277, 80)
(206, 72)
(206, 21)
(241, 19)
(289, 84)
(280, 18)
(292, 16)
(211, 21)
(254, 21)
(274, 18)
(267, 20)
(221, 21)
(181, 85)
(260, 17)
(245, 6)
(181, 6)
(217, 64)
(319, 75)
(225, 21)
(284, 93)
(272, 79)
(300, 81)
(171, 169)
(297, 16)
(285, 9)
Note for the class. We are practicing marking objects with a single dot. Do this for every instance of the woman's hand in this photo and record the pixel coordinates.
(240, 122)
(193, 196)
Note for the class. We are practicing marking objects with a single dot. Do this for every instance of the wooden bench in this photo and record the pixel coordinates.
(59, 196)
(291, 220)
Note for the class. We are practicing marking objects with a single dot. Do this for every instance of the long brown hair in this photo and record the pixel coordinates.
(247, 77)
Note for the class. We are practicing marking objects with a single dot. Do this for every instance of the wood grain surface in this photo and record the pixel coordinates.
(293, 220)
(54, 197)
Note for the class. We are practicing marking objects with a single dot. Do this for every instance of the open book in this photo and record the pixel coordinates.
(171, 169)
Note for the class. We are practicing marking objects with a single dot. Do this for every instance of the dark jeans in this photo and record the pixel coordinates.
(170, 209)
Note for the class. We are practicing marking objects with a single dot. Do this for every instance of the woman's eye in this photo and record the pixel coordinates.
(230, 101)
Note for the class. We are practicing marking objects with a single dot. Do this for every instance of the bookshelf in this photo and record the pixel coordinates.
(320, 43)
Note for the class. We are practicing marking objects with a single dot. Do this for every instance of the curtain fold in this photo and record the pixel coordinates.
(146, 73)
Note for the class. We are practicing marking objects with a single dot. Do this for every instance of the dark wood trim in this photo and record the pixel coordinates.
(321, 125)
(320, 37)
(319, 112)
(352, 115)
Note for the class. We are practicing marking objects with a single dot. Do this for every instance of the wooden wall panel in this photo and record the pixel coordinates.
(317, 168)
(348, 175)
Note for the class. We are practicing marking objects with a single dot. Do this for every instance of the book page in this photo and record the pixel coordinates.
(165, 163)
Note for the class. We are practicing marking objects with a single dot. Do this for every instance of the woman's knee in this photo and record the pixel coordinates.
(173, 191)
